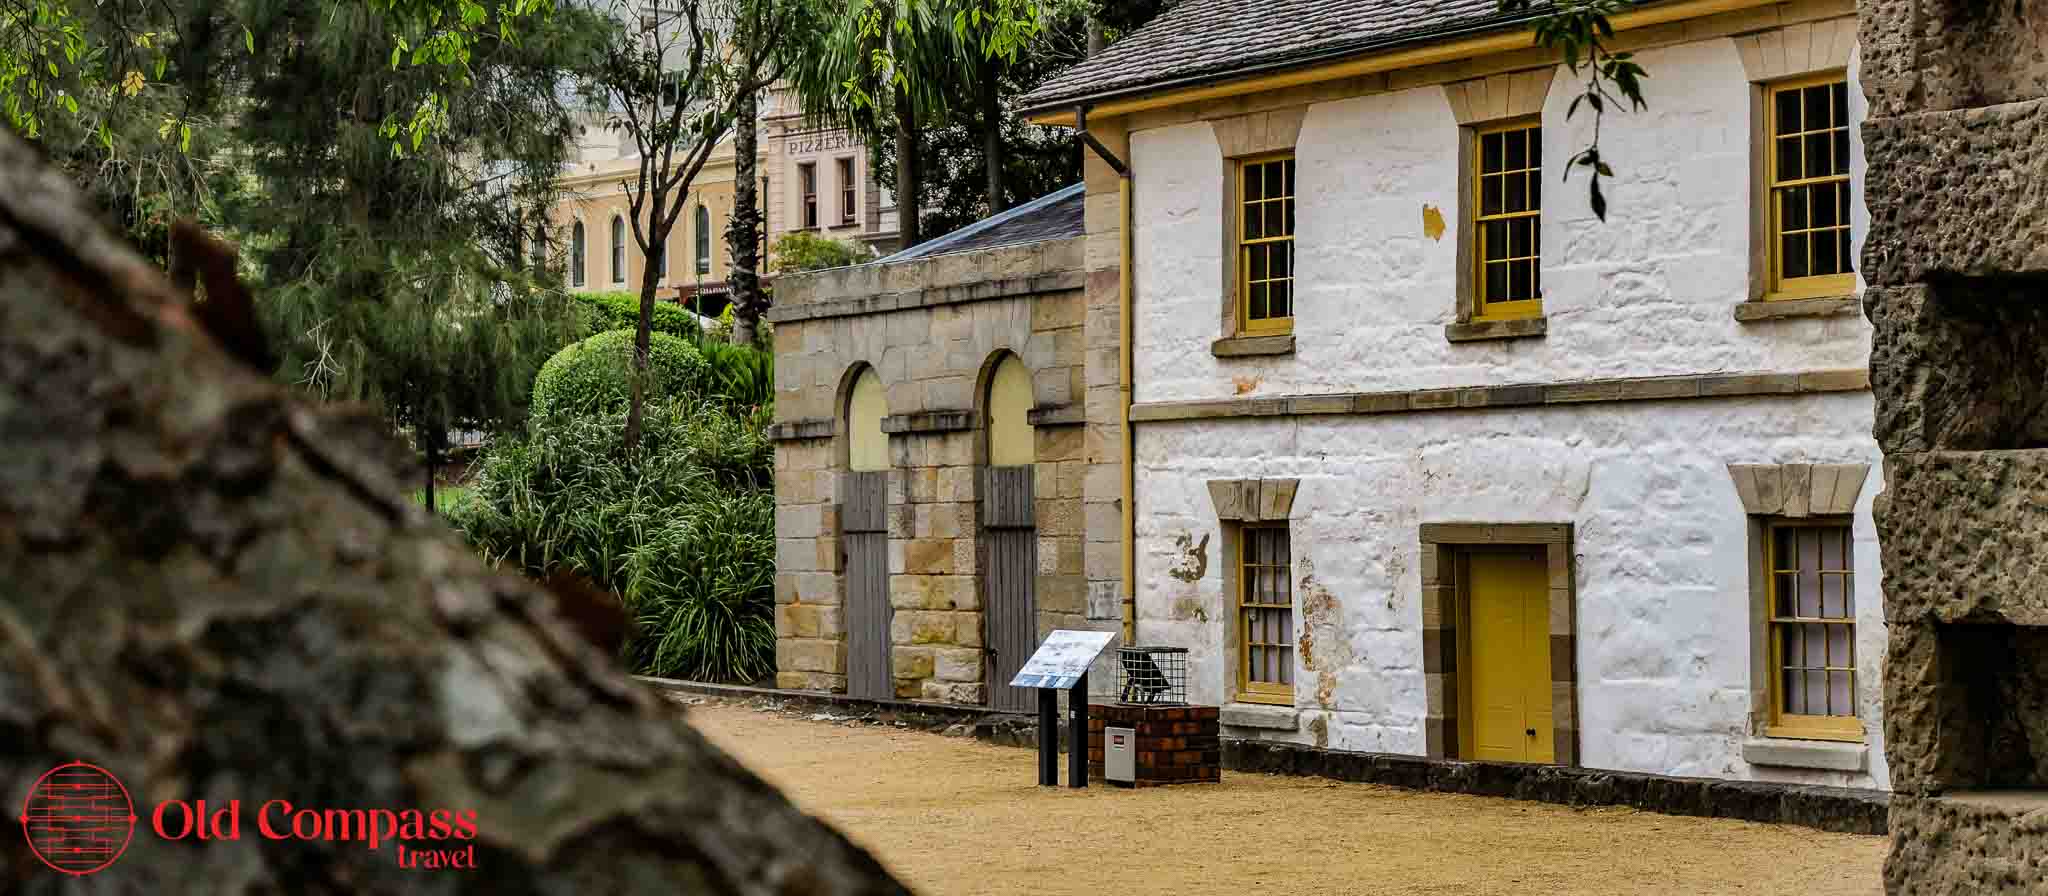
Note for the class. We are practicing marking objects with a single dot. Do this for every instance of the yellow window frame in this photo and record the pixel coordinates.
(1244, 248)
(1779, 723)
(1248, 690)
(1780, 287)
(1515, 309)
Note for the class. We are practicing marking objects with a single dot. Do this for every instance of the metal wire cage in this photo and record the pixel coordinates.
(1152, 676)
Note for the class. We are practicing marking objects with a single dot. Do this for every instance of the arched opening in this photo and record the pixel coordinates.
(1009, 410)
(864, 536)
(576, 254)
(867, 447)
(1009, 532)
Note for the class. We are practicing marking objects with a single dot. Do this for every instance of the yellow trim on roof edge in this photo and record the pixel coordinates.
(1427, 54)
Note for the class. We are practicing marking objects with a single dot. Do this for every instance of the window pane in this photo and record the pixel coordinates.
(1788, 159)
(1254, 222)
(1536, 190)
(1519, 232)
(1289, 231)
(1275, 179)
(1839, 94)
(1252, 184)
(1842, 251)
(1788, 112)
(1819, 155)
(1793, 202)
(1535, 147)
(1841, 151)
(1823, 203)
(1794, 693)
(1489, 195)
(1825, 260)
(1794, 249)
(1255, 261)
(1494, 239)
(1282, 259)
(1517, 192)
(1517, 144)
(1280, 300)
(1817, 107)
(1288, 166)
(1497, 282)
(1256, 306)
(1276, 219)
(1490, 152)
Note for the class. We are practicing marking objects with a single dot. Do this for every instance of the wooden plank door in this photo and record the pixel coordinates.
(865, 539)
(1507, 593)
(1009, 536)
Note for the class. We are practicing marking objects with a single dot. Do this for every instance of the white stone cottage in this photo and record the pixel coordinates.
(1425, 459)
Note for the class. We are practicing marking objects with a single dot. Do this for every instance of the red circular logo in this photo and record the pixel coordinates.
(78, 818)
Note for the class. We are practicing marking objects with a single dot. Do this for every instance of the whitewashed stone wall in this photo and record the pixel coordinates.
(1663, 574)
(1649, 292)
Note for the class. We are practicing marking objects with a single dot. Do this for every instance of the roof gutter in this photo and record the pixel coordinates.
(1127, 439)
(1415, 48)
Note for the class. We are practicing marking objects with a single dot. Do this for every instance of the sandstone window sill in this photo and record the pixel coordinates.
(1253, 346)
(1254, 715)
(1834, 756)
(1759, 309)
(1483, 330)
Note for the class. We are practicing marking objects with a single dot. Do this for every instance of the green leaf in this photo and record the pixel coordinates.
(249, 39)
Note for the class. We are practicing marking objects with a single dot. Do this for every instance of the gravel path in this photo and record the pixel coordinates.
(956, 817)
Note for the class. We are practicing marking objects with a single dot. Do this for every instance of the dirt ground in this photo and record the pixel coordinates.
(954, 817)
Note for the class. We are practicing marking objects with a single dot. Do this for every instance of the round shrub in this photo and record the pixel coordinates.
(595, 375)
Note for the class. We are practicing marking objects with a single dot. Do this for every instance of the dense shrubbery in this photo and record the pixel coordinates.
(594, 375)
(801, 250)
(621, 311)
(683, 527)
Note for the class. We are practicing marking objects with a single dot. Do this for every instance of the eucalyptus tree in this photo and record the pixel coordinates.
(672, 80)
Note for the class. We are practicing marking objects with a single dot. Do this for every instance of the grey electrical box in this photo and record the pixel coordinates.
(1120, 755)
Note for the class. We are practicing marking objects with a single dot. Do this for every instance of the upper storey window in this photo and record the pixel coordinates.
(1265, 243)
(1508, 220)
(1809, 189)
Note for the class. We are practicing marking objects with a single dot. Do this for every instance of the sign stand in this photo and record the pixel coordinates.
(1061, 664)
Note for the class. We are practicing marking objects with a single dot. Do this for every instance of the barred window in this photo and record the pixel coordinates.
(1265, 240)
(1809, 178)
(1813, 631)
(1508, 221)
(1265, 616)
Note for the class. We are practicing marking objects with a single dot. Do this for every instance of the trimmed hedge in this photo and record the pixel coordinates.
(595, 375)
(621, 311)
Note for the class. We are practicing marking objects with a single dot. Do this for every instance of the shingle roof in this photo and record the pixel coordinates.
(1056, 215)
(1199, 41)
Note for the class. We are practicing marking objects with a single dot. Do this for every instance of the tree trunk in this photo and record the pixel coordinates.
(643, 330)
(433, 461)
(1097, 41)
(743, 232)
(909, 180)
(992, 134)
(218, 591)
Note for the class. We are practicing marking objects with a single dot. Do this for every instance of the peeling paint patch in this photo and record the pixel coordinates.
(1320, 727)
(1245, 383)
(1193, 562)
(1188, 608)
(1432, 222)
(1324, 649)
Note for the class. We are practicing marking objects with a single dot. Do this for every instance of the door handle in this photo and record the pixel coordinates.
(1529, 731)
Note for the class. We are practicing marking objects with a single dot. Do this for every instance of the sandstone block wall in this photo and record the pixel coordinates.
(1957, 164)
(932, 330)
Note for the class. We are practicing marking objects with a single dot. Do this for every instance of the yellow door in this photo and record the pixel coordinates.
(1508, 655)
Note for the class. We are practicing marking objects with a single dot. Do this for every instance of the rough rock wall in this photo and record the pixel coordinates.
(214, 591)
(1957, 258)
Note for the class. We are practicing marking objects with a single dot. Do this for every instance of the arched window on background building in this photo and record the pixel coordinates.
(576, 247)
(618, 249)
(703, 240)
